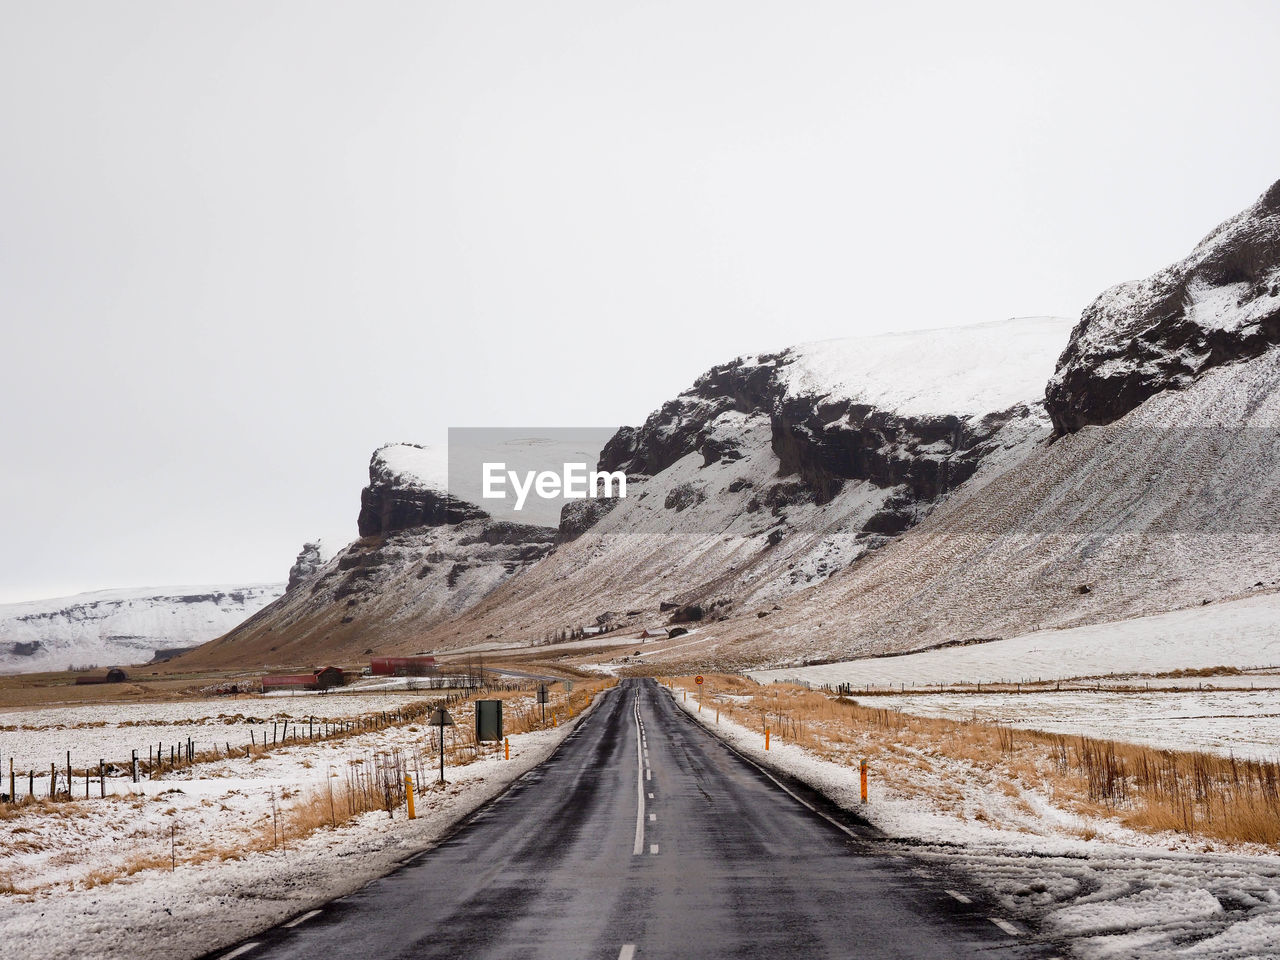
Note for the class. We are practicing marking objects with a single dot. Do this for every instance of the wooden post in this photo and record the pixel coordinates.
(102, 779)
(53, 781)
(68, 774)
(134, 765)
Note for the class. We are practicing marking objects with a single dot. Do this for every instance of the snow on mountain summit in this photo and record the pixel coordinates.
(412, 466)
(959, 371)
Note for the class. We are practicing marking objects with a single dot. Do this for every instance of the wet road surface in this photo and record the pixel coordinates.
(644, 837)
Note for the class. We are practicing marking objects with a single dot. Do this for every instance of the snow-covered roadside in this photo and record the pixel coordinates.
(1117, 894)
(201, 907)
(1239, 723)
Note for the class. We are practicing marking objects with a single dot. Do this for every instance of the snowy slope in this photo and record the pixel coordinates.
(959, 371)
(110, 627)
(1243, 633)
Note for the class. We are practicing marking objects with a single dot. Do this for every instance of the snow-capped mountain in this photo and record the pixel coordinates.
(109, 627)
(1161, 490)
(769, 474)
(1219, 305)
(872, 495)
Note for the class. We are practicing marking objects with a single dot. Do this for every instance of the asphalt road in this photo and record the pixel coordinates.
(644, 837)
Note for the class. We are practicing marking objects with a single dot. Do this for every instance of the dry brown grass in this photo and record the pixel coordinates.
(1143, 787)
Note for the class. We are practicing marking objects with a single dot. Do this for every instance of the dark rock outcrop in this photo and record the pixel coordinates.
(308, 562)
(821, 442)
(1219, 305)
(397, 500)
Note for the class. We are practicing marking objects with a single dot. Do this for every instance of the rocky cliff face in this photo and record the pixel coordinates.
(826, 432)
(1218, 306)
(422, 556)
(407, 489)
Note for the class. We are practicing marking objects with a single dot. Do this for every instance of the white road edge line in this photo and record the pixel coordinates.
(954, 895)
(627, 952)
(302, 919)
(779, 784)
(639, 844)
(238, 951)
(1006, 926)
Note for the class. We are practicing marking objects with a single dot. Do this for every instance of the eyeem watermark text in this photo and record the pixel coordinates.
(573, 482)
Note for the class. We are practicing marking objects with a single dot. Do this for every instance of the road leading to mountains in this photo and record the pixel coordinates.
(644, 837)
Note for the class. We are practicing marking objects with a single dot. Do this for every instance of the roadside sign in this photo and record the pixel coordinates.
(440, 718)
(698, 679)
(488, 720)
(568, 686)
(542, 693)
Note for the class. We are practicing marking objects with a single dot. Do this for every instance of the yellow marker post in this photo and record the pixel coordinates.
(507, 741)
(555, 719)
(864, 781)
(408, 795)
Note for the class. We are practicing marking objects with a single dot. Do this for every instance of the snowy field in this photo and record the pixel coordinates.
(110, 731)
(1242, 723)
(105, 866)
(1239, 633)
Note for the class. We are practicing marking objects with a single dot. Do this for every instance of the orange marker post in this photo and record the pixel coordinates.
(408, 795)
(507, 741)
(766, 738)
(864, 780)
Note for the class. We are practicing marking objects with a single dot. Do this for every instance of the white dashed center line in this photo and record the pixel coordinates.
(638, 848)
(960, 897)
(240, 950)
(627, 952)
(653, 848)
(302, 919)
(1006, 926)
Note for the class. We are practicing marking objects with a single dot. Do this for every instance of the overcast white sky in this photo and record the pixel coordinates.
(243, 244)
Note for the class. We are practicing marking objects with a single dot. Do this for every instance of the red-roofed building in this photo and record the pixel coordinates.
(316, 680)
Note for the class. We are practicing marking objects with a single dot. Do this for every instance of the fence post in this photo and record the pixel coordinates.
(134, 765)
(102, 779)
